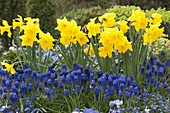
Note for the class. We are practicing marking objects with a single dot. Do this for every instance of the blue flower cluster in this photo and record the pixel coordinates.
(20, 92)
(156, 75)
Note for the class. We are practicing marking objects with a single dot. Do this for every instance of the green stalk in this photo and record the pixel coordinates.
(19, 43)
(33, 55)
(67, 104)
(47, 59)
(40, 58)
(112, 60)
(96, 54)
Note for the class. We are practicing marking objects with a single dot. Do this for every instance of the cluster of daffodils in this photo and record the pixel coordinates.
(27, 34)
(152, 31)
(70, 32)
(31, 31)
(111, 34)
(112, 37)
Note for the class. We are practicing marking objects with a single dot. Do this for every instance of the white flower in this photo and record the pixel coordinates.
(75, 112)
(115, 102)
(147, 110)
(12, 48)
(118, 102)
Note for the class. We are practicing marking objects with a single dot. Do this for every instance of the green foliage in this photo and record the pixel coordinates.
(9, 9)
(82, 16)
(145, 4)
(122, 12)
(65, 6)
(45, 10)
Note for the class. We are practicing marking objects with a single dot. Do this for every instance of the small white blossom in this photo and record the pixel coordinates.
(12, 48)
(115, 102)
(118, 102)
(75, 112)
(147, 110)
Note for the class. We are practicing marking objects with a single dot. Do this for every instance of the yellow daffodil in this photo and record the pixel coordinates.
(107, 20)
(30, 31)
(81, 38)
(123, 45)
(46, 41)
(104, 52)
(31, 28)
(62, 24)
(152, 34)
(106, 39)
(138, 19)
(5, 28)
(123, 26)
(9, 67)
(18, 22)
(111, 36)
(93, 29)
(69, 31)
(156, 19)
(65, 40)
(28, 40)
(73, 29)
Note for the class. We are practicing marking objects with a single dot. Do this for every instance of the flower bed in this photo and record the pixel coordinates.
(103, 67)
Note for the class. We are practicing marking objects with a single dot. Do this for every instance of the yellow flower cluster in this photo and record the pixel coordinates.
(139, 20)
(156, 19)
(30, 28)
(153, 32)
(107, 20)
(111, 34)
(93, 28)
(70, 32)
(113, 38)
(30, 31)
(46, 41)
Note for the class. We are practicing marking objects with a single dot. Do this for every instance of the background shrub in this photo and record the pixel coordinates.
(82, 16)
(146, 4)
